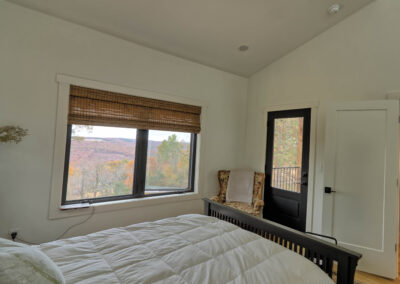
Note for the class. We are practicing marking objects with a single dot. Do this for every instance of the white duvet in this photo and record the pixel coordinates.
(184, 249)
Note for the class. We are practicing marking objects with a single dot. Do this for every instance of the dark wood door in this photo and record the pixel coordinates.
(288, 147)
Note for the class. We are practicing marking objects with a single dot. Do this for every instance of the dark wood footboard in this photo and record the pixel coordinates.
(329, 257)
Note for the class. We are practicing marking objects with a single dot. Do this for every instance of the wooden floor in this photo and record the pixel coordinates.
(365, 278)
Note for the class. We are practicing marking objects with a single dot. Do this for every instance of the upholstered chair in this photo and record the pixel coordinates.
(257, 203)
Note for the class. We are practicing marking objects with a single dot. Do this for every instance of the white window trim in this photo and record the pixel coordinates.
(313, 142)
(64, 82)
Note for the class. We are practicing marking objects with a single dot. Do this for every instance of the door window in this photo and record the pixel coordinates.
(287, 154)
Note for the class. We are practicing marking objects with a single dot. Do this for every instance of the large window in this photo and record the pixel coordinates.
(107, 158)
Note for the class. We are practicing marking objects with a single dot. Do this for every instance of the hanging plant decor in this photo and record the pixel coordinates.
(11, 133)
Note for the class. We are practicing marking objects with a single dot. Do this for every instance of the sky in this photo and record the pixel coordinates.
(130, 133)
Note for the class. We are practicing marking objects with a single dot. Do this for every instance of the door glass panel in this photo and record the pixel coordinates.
(287, 153)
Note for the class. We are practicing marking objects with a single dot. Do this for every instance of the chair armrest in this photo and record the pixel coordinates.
(216, 199)
(258, 205)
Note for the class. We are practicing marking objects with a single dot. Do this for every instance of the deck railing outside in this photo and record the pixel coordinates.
(286, 178)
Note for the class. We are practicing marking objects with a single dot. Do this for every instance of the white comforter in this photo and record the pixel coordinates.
(185, 249)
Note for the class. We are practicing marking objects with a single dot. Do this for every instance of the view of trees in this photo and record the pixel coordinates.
(288, 142)
(287, 155)
(103, 179)
(104, 166)
(170, 167)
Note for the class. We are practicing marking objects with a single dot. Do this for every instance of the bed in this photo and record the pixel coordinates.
(184, 249)
(223, 246)
(337, 262)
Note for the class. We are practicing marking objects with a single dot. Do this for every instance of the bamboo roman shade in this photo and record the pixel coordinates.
(95, 107)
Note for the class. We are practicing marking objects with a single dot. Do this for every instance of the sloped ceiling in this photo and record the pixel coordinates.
(206, 31)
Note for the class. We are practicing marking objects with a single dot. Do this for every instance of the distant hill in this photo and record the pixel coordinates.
(91, 151)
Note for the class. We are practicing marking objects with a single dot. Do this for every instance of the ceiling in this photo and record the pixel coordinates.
(206, 31)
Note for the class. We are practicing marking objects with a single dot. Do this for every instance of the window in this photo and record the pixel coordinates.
(107, 158)
(287, 153)
(168, 166)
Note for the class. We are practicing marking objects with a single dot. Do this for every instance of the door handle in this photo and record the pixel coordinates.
(329, 190)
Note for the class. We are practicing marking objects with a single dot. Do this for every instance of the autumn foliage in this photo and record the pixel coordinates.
(105, 167)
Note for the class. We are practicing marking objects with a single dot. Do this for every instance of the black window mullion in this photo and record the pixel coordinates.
(192, 161)
(66, 164)
(140, 162)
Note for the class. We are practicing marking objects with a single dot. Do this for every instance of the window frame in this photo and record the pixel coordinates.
(139, 172)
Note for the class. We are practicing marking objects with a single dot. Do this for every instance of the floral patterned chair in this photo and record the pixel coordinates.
(257, 204)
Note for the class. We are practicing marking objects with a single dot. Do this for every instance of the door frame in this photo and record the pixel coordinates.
(313, 139)
(395, 95)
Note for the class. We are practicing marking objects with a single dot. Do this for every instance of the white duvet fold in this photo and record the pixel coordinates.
(184, 249)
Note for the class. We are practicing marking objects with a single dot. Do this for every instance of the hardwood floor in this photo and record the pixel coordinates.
(365, 278)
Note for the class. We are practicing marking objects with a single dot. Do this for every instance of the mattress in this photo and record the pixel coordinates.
(185, 249)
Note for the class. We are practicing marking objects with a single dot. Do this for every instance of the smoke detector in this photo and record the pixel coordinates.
(243, 48)
(334, 9)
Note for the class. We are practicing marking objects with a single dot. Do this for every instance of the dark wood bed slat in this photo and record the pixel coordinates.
(327, 256)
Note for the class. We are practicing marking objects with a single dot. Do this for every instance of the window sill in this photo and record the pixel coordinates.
(85, 209)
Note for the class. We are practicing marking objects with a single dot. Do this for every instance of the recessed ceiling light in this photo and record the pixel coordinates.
(243, 47)
(334, 9)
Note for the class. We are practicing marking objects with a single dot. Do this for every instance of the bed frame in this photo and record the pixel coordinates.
(339, 263)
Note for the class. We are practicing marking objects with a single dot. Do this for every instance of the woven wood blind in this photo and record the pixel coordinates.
(103, 108)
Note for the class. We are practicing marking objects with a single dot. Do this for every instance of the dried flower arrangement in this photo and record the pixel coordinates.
(11, 133)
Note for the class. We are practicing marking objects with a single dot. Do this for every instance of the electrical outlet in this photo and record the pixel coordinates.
(13, 230)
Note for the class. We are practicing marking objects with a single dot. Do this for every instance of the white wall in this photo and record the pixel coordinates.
(33, 49)
(358, 59)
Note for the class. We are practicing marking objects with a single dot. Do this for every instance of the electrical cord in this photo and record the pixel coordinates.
(63, 234)
(324, 236)
(77, 224)
(23, 241)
